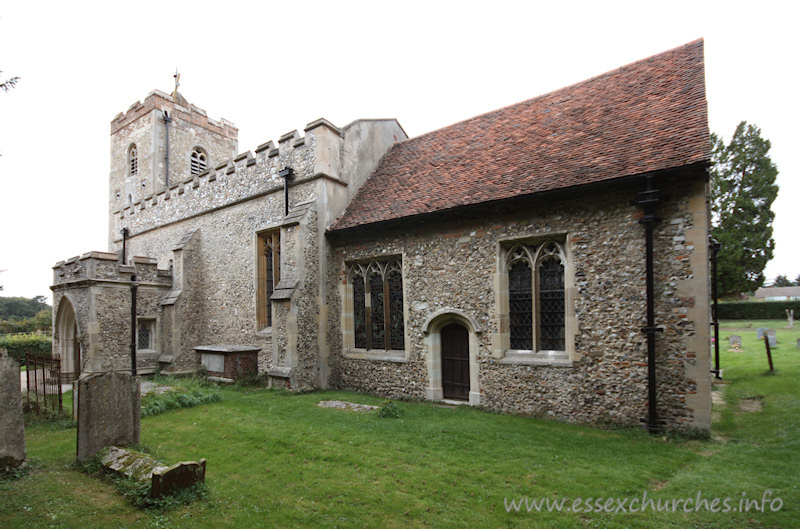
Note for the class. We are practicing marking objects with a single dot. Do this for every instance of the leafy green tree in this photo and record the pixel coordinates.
(797, 281)
(16, 308)
(782, 281)
(742, 189)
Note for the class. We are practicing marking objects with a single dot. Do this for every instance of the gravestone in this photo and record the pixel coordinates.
(12, 428)
(164, 480)
(108, 412)
(772, 336)
(798, 343)
(761, 331)
(735, 341)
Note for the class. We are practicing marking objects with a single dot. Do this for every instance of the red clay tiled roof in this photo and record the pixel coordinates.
(647, 116)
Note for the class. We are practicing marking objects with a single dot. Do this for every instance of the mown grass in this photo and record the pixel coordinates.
(278, 460)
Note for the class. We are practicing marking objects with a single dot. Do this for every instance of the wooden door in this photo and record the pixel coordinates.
(455, 362)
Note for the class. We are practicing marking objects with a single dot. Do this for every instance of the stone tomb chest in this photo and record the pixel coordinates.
(229, 362)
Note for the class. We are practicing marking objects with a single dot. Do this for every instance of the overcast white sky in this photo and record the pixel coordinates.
(271, 67)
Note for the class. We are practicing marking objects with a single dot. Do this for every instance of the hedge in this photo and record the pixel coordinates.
(757, 310)
(33, 344)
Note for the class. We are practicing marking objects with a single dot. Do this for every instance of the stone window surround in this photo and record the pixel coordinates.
(502, 339)
(152, 322)
(433, 342)
(261, 327)
(203, 160)
(349, 350)
(133, 160)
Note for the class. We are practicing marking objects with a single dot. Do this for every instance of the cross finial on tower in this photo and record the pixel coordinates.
(177, 77)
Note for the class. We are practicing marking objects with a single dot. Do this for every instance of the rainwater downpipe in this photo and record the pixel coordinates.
(125, 233)
(648, 200)
(134, 289)
(167, 120)
(715, 247)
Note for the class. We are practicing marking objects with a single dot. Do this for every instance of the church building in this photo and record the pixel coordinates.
(547, 258)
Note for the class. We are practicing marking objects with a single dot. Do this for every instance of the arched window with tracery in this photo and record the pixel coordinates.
(536, 297)
(269, 274)
(550, 284)
(199, 161)
(378, 321)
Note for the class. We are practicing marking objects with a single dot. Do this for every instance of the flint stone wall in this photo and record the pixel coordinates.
(109, 408)
(451, 265)
(12, 428)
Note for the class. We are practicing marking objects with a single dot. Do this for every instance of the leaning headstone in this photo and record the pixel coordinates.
(761, 331)
(108, 412)
(772, 336)
(735, 341)
(12, 427)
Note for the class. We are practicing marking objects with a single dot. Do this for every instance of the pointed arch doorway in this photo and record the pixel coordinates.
(451, 337)
(69, 346)
(455, 362)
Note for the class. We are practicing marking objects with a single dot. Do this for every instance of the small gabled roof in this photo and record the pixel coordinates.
(648, 116)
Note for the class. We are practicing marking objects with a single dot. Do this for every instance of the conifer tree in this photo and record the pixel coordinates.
(743, 189)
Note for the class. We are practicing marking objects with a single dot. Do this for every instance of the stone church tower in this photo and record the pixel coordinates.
(543, 258)
(161, 142)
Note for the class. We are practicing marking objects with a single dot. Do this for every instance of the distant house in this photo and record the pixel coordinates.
(778, 293)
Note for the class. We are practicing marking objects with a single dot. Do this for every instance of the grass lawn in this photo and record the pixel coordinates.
(278, 460)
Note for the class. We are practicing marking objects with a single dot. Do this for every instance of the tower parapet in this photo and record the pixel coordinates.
(162, 141)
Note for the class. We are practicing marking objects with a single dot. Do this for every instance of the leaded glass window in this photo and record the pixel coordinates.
(536, 297)
(378, 330)
(378, 321)
(359, 311)
(144, 335)
(395, 281)
(520, 300)
(269, 266)
(551, 304)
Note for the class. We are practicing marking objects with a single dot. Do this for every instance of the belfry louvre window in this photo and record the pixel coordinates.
(536, 297)
(269, 267)
(133, 160)
(199, 161)
(378, 304)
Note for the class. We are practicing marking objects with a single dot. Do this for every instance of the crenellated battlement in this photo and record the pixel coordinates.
(247, 175)
(158, 100)
(105, 267)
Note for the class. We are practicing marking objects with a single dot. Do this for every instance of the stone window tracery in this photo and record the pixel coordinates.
(536, 297)
(269, 266)
(378, 321)
(199, 161)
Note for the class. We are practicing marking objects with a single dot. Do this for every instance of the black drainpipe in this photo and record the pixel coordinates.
(167, 119)
(125, 233)
(648, 200)
(715, 247)
(134, 288)
(286, 173)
